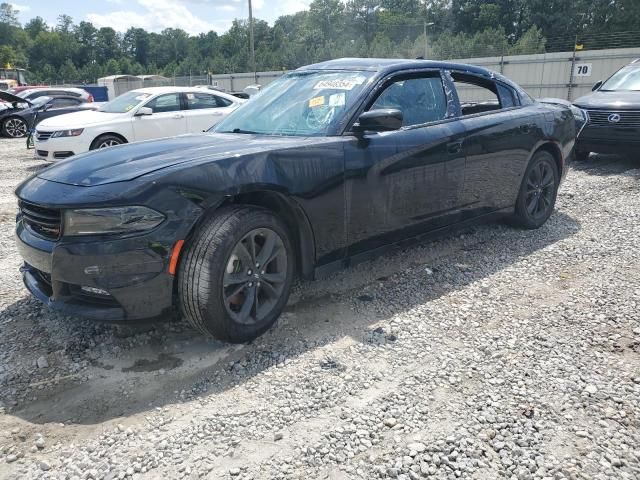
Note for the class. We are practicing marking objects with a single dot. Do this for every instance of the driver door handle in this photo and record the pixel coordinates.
(178, 115)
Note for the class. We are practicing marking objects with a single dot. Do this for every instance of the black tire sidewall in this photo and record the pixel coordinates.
(522, 216)
(214, 317)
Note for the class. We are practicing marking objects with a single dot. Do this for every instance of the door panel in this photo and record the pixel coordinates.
(405, 182)
(497, 148)
(204, 110)
(168, 120)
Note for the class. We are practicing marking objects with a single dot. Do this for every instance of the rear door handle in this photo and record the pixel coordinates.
(454, 147)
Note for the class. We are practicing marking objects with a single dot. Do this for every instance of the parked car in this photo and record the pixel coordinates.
(220, 89)
(613, 110)
(143, 114)
(330, 165)
(20, 114)
(35, 92)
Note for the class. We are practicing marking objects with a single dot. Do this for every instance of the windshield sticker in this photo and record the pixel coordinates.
(338, 99)
(337, 84)
(190, 96)
(129, 107)
(316, 102)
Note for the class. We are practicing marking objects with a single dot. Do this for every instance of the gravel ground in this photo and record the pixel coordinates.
(494, 353)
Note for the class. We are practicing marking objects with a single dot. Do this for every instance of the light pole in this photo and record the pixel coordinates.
(251, 44)
(424, 32)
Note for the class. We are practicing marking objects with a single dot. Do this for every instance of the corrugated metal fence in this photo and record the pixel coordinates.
(562, 74)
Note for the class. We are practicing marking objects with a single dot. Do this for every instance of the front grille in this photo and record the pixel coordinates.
(45, 222)
(60, 155)
(42, 136)
(602, 118)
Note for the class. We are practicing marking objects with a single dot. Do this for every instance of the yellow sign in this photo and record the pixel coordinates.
(579, 46)
(316, 102)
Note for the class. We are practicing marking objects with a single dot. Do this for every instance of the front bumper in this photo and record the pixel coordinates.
(54, 149)
(133, 271)
(602, 139)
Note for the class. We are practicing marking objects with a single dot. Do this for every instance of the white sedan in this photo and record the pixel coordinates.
(142, 114)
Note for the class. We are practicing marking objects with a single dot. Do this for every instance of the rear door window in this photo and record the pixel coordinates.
(476, 94)
(169, 102)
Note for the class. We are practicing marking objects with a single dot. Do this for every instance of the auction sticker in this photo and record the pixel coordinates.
(316, 102)
(337, 84)
(337, 99)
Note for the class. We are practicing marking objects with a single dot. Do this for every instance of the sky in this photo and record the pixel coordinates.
(193, 16)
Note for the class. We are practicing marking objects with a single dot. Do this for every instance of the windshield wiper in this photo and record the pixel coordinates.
(239, 130)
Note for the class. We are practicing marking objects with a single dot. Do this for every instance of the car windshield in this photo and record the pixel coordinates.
(124, 102)
(298, 104)
(627, 78)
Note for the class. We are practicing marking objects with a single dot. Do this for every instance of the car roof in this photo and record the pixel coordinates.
(384, 66)
(162, 90)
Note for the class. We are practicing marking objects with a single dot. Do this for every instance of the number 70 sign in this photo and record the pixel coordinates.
(582, 69)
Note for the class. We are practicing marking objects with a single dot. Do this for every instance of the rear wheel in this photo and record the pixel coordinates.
(15, 127)
(236, 273)
(538, 192)
(106, 141)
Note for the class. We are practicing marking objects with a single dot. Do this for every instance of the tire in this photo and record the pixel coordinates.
(538, 192)
(582, 156)
(105, 141)
(15, 127)
(215, 280)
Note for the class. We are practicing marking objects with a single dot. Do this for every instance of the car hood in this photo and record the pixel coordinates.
(11, 98)
(127, 162)
(610, 101)
(82, 119)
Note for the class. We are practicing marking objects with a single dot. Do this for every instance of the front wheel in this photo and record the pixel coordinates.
(236, 273)
(106, 141)
(538, 191)
(15, 127)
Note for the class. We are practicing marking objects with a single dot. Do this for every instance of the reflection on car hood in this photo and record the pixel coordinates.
(610, 101)
(78, 120)
(126, 162)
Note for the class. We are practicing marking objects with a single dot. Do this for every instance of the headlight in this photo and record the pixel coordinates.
(101, 221)
(67, 133)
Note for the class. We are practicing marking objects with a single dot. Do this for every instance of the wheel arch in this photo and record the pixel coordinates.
(285, 208)
(104, 134)
(294, 217)
(555, 152)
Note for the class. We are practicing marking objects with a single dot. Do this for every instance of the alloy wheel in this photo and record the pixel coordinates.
(108, 143)
(255, 276)
(540, 190)
(15, 128)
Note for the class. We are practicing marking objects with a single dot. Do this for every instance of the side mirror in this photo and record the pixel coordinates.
(596, 86)
(380, 120)
(144, 111)
(47, 106)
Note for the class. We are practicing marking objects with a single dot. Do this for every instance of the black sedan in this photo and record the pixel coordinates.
(327, 166)
(613, 110)
(18, 115)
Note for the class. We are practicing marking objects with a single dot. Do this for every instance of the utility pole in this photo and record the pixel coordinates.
(251, 44)
(424, 32)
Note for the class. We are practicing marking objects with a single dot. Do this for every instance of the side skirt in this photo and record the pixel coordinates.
(325, 270)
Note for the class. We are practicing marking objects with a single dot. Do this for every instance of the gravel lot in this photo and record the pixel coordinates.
(495, 353)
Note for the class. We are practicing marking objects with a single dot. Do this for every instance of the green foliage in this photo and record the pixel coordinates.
(328, 29)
